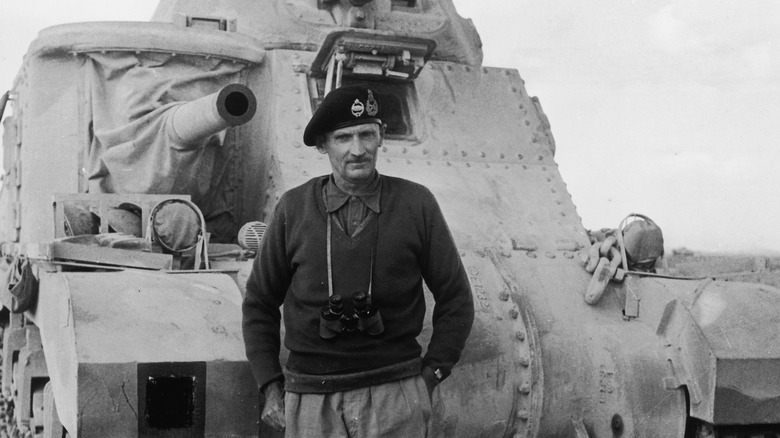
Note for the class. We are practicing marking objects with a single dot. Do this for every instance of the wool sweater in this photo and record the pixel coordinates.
(413, 243)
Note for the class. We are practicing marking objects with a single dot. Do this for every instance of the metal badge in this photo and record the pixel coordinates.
(357, 108)
(372, 107)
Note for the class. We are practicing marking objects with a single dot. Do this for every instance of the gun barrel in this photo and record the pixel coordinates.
(233, 105)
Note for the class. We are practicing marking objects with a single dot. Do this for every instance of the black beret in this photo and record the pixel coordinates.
(342, 107)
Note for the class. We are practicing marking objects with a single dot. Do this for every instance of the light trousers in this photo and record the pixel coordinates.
(400, 409)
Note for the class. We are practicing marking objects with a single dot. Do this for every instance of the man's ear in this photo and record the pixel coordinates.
(321, 145)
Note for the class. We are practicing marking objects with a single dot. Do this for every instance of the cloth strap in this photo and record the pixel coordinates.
(329, 248)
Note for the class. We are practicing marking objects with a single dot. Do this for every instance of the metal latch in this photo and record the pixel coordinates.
(206, 22)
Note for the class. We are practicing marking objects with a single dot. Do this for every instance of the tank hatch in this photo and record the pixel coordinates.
(370, 55)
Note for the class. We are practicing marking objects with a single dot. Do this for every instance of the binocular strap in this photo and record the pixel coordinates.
(330, 257)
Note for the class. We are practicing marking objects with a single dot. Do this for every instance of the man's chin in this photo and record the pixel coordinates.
(360, 175)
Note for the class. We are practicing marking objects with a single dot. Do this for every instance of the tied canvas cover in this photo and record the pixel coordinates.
(132, 97)
(644, 241)
(22, 285)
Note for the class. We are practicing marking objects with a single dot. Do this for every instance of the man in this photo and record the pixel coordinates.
(351, 373)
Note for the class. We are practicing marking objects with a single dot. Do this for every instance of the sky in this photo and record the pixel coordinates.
(666, 108)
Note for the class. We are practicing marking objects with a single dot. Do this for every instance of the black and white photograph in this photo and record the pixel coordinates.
(390, 218)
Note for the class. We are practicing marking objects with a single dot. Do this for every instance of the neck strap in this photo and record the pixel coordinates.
(329, 248)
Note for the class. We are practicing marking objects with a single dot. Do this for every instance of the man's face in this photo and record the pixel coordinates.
(352, 151)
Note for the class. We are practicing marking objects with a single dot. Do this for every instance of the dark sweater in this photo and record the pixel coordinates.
(413, 243)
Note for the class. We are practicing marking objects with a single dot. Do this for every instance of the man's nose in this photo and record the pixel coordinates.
(356, 147)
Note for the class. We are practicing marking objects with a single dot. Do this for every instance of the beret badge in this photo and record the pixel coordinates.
(357, 108)
(372, 107)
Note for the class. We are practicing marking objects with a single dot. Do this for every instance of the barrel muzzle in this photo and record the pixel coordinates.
(233, 105)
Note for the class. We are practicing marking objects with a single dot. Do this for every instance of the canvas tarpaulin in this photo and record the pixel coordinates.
(133, 148)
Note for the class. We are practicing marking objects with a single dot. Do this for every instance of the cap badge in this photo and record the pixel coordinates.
(357, 108)
(372, 107)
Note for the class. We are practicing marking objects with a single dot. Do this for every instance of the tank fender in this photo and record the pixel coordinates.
(718, 345)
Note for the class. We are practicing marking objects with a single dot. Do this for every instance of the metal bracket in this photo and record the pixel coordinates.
(631, 305)
(370, 55)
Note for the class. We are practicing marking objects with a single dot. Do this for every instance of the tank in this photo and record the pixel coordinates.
(141, 159)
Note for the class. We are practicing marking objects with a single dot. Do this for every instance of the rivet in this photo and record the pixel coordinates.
(525, 362)
(525, 388)
(482, 154)
(513, 313)
(296, 91)
(297, 108)
(568, 255)
(520, 336)
(503, 296)
(550, 255)
(384, 148)
(464, 153)
(540, 157)
(531, 254)
(520, 156)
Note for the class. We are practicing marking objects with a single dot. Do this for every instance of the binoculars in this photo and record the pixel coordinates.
(364, 318)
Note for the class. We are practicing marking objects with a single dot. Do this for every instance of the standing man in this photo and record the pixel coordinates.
(346, 254)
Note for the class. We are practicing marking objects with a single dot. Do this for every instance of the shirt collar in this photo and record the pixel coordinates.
(336, 198)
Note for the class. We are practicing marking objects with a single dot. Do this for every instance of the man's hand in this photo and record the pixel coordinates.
(430, 379)
(273, 411)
